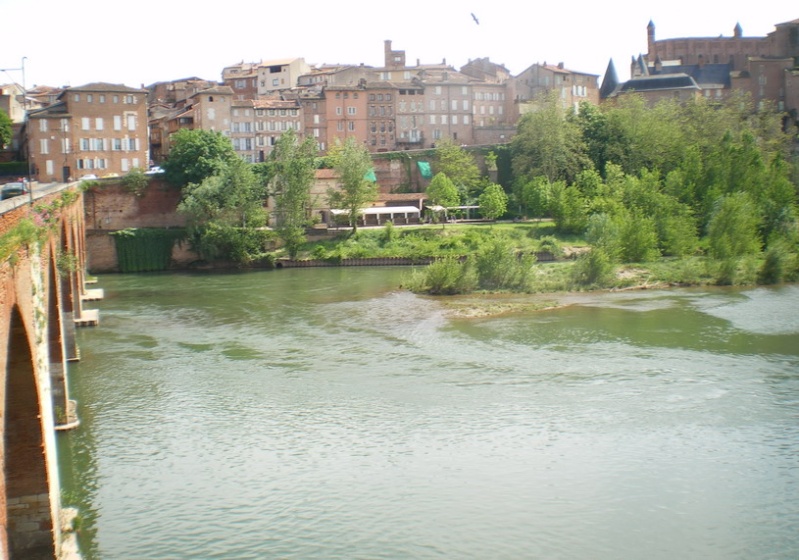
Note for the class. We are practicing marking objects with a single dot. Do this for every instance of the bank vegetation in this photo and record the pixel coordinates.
(624, 194)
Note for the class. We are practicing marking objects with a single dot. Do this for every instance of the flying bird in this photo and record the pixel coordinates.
(477, 21)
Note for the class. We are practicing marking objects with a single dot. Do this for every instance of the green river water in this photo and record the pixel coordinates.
(325, 413)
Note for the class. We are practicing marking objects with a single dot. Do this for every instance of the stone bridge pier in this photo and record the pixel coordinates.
(42, 287)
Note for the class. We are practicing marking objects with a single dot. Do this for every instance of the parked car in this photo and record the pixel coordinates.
(16, 188)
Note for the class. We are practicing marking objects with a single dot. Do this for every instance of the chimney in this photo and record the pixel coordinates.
(560, 65)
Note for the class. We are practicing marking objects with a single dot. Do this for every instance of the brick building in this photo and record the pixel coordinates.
(96, 129)
(715, 67)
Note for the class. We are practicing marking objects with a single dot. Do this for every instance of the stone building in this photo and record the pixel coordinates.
(97, 129)
(570, 87)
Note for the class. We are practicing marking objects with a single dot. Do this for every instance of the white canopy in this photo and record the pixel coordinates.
(382, 210)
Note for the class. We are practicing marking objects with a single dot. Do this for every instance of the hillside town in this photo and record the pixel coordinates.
(102, 129)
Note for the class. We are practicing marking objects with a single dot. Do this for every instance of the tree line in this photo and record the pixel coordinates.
(642, 181)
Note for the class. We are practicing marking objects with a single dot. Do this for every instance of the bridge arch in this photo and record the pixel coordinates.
(28, 509)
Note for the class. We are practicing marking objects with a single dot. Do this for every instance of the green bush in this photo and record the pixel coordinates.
(594, 268)
(777, 263)
(499, 267)
(445, 276)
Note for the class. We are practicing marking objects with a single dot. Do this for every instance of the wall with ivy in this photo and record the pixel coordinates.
(146, 249)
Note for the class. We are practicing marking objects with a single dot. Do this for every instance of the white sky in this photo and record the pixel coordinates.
(138, 43)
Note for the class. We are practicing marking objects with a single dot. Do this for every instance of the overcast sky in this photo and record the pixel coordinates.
(146, 41)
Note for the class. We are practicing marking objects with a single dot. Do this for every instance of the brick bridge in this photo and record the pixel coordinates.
(42, 287)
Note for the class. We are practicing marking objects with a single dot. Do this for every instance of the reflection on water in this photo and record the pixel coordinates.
(324, 414)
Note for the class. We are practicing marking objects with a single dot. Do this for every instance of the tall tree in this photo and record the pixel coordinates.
(352, 162)
(733, 228)
(196, 155)
(493, 202)
(442, 191)
(548, 143)
(223, 211)
(293, 165)
(6, 129)
(459, 165)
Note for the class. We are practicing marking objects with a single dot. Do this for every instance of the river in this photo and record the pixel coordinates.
(328, 414)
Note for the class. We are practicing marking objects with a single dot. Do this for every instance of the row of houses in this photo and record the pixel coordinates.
(107, 129)
(103, 129)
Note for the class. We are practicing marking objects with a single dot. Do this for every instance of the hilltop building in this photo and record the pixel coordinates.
(767, 68)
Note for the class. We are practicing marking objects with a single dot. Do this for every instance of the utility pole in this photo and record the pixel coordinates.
(25, 123)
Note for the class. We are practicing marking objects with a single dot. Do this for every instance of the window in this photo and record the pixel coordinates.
(98, 123)
(454, 104)
(49, 168)
(351, 110)
(132, 144)
(388, 97)
(351, 126)
(465, 104)
(316, 119)
(131, 122)
(85, 123)
(76, 98)
(65, 146)
(65, 125)
(340, 125)
(115, 99)
(84, 144)
(43, 147)
(102, 98)
(116, 144)
(42, 125)
(275, 82)
(89, 98)
(438, 90)
(338, 110)
(117, 122)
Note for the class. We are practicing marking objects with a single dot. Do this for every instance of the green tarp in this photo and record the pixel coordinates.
(424, 169)
(370, 176)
